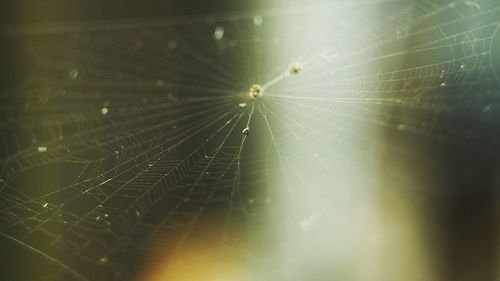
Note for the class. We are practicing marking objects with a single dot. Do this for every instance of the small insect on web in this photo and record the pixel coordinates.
(295, 68)
(246, 131)
(255, 91)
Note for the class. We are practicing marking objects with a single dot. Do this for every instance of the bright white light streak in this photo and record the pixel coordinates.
(334, 222)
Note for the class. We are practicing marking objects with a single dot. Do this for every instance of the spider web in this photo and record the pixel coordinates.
(125, 136)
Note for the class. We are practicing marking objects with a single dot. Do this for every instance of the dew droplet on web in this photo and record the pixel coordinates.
(219, 33)
(103, 260)
(257, 20)
(41, 149)
(73, 73)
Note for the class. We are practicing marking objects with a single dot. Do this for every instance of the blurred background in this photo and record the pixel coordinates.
(372, 152)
